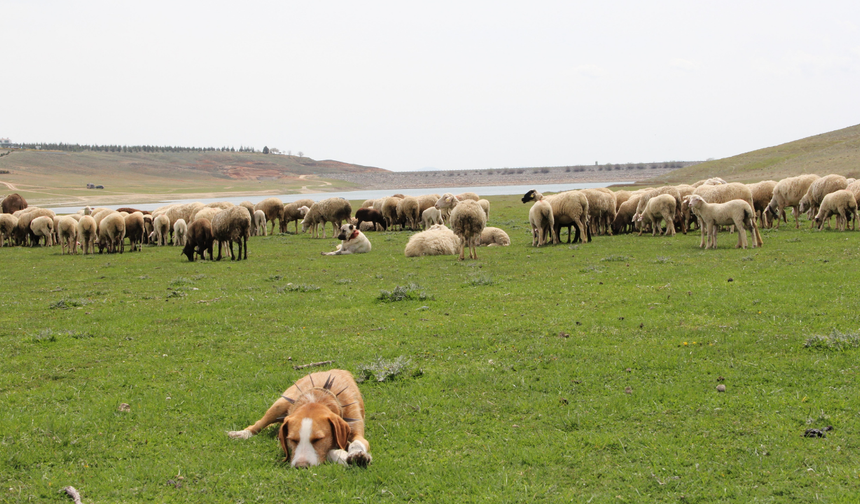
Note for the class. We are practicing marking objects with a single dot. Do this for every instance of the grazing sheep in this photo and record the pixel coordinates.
(232, 225)
(840, 203)
(293, 214)
(389, 211)
(88, 233)
(112, 233)
(431, 216)
(818, 190)
(260, 226)
(670, 190)
(42, 227)
(494, 237)
(135, 229)
(620, 197)
(762, 193)
(735, 212)
(247, 205)
(409, 211)
(370, 215)
(438, 240)
(485, 205)
(180, 230)
(601, 210)
(12, 203)
(207, 213)
(67, 234)
(199, 239)
(23, 232)
(570, 209)
(334, 210)
(723, 193)
(659, 208)
(8, 223)
(787, 193)
(274, 210)
(542, 223)
(710, 181)
(147, 227)
(465, 196)
(161, 229)
(854, 187)
(623, 222)
(130, 210)
(467, 222)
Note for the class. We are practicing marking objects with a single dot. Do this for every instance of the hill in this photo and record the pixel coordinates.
(834, 152)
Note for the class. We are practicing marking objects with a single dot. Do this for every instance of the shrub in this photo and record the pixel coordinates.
(836, 341)
(403, 293)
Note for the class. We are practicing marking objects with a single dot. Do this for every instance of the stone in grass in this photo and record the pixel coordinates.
(721, 388)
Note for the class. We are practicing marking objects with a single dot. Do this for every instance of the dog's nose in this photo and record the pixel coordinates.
(301, 464)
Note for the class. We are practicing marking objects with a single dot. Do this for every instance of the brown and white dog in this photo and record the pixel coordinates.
(323, 419)
(354, 241)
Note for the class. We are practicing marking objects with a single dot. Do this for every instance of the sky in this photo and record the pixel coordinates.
(449, 85)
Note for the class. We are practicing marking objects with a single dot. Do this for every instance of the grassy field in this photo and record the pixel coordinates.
(563, 374)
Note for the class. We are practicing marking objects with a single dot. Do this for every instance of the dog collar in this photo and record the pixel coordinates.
(354, 234)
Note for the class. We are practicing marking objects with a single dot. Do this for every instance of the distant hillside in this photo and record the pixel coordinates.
(834, 152)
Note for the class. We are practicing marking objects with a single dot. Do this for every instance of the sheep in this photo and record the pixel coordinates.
(494, 237)
(601, 209)
(389, 211)
(465, 196)
(67, 231)
(100, 214)
(623, 222)
(485, 205)
(438, 240)
(247, 205)
(260, 226)
(112, 233)
(232, 225)
(23, 232)
(12, 203)
(370, 215)
(147, 227)
(840, 203)
(854, 187)
(724, 193)
(274, 210)
(292, 213)
(161, 229)
(735, 212)
(334, 210)
(620, 197)
(569, 208)
(467, 222)
(762, 193)
(542, 223)
(820, 188)
(135, 229)
(8, 223)
(659, 207)
(207, 213)
(431, 216)
(409, 210)
(42, 227)
(130, 210)
(710, 181)
(671, 190)
(199, 239)
(180, 230)
(88, 233)
(787, 193)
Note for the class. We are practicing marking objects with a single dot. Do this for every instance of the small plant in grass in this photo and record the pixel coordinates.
(403, 293)
(481, 279)
(65, 303)
(662, 260)
(297, 288)
(382, 370)
(179, 282)
(591, 269)
(343, 281)
(45, 336)
(836, 341)
(792, 240)
(175, 294)
(616, 258)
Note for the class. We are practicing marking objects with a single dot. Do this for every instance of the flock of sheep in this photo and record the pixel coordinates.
(451, 222)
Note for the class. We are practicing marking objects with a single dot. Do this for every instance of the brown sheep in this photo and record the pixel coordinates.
(12, 203)
(134, 229)
(293, 214)
(274, 210)
(199, 240)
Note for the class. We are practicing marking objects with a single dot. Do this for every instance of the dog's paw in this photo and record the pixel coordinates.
(242, 434)
(360, 459)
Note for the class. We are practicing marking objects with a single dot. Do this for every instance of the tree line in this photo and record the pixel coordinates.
(128, 148)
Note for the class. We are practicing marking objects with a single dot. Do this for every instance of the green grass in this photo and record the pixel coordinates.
(562, 374)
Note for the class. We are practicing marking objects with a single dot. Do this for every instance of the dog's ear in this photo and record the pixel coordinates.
(282, 437)
(341, 430)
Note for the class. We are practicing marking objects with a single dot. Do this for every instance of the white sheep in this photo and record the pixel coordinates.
(431, 216)
(570, 209)
(467, 222)
(762, 194)
(389, 211)
(409, 211)
(43, 227)
(207, 213)
(112, 233)
(659, 208)
(232, 225)
(542, 223)
(485, 204)
(494, 237)
(180, 232)
(738, 213)
(724, 193)
(260, 226)
(8, 223)
(67, 232)
(818, 190)
(601, 209)
(88, 233)
(334, 210)
(465, 196)
(438, 240)
(840, 203)
(787, 193)
(161, 230)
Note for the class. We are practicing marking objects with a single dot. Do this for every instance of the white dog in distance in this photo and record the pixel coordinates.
(353, 241)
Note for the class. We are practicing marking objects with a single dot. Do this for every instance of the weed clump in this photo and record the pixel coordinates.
(403, 293)
(482, 279)
(66, 303)
(382, 370)
(297, 288)
(616, 258)
(836, 341)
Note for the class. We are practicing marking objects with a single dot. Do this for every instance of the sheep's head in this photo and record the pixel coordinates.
(696, 201)
(188, 251)
(447, 200)
(772, 208)
(303, 211)
(805, 203)
(532, 195)
(305, 225)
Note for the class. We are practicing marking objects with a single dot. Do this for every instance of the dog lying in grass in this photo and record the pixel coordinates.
(354, 241)
(323, 419)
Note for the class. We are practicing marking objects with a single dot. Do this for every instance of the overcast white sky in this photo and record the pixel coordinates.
(452, 85)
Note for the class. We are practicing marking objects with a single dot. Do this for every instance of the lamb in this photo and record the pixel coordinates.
(389, 211)
(735, 212)
(67, 231)
(87, 233)
(659, 207)
(8, 223)
(431, 216)
(135, 229)
(494, 237)
(161, 226)
(819, 189)
(42, 227)
(232, 225)
(292, 213)
(467, 222)
(260, 227)
(112, 233)
(274, 210)
(542, 223)
(787, 193)
(840, 203)
(409, 210)
(180, 230)
(671, 190)
(334, 210)
(724, 193)
(199, 239)
(12, 203)
(762, 193)
(438, 240)
(370, 215)
(485, 205)
(569, 208)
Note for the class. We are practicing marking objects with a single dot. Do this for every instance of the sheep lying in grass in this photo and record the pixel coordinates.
(180, 230)
(8, 223)
(232, 225)
(494, 237)
(67, 234)
(467, 222)
(736, 212)
(438, 240)
(840, 203)
(431, 216)
(112, 233)
(659, 207)
(42, 227)
(542, 223)
(88, 233)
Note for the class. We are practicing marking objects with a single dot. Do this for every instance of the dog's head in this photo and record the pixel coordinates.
(347, 232)
(310, 433)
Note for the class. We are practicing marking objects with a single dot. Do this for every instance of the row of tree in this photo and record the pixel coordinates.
(129, 148)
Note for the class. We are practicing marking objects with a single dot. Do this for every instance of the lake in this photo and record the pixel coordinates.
(365, 195)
